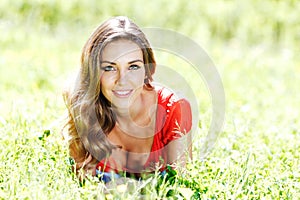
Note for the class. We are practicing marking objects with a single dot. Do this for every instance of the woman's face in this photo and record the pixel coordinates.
(122, 72)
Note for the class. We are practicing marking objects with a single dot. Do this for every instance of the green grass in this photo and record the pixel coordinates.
(255, 46)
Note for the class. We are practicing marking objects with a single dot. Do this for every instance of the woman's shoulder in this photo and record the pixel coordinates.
(174, 114)
(168, 96)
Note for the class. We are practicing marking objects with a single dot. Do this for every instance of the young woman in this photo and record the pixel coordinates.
(119, 120)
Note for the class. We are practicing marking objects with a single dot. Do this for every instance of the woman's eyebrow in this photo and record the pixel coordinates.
(137, 60)
(104, 61)
(130, 62)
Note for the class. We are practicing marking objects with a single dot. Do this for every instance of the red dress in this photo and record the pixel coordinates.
(173, 120)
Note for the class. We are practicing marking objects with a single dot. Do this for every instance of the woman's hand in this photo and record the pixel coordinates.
(87, 167)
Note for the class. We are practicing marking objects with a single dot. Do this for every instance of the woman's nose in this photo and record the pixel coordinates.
(122, 77)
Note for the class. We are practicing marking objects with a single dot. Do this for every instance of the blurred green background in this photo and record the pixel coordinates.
(255, 46)
(41, 40)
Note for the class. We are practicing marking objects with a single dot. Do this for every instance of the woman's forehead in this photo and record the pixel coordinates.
(121, 48)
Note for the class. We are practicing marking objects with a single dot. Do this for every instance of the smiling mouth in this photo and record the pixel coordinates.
(122, 93)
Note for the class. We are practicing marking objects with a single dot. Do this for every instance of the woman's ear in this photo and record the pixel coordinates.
(146, 79)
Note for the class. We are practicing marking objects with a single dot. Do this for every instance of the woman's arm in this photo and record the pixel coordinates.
(179, 150)
(179, 147)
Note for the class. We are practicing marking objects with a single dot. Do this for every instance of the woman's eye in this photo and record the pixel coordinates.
(108, 68)
(134, 67)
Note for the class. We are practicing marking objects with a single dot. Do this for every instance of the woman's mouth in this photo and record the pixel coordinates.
(122, 93)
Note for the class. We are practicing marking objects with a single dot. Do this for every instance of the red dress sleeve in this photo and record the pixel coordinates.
(173, 120)
(178, 121)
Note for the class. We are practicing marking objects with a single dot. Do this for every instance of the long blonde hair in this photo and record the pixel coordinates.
(90, 116)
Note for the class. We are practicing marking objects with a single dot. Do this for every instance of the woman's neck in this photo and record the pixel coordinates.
(140, 116)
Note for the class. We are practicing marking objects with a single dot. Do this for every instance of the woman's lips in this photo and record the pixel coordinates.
(122, 93)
